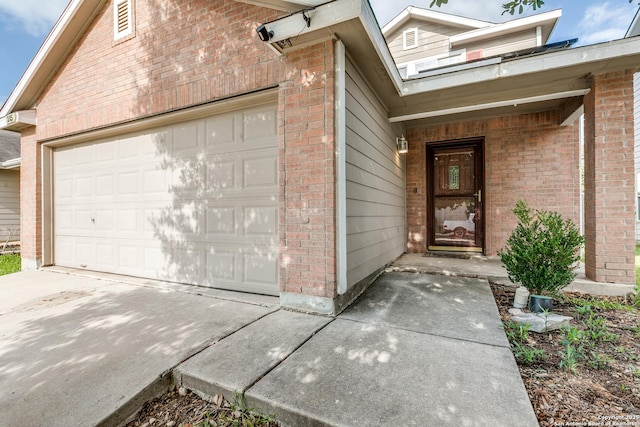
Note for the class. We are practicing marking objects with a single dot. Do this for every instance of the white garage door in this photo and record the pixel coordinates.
(194, 202)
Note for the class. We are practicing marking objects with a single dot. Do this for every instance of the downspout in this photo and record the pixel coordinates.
(341, 168)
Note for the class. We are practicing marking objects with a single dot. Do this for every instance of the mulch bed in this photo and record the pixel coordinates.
(605, 387)
(182, 408)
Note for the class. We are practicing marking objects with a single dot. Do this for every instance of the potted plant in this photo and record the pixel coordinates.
(541, 254)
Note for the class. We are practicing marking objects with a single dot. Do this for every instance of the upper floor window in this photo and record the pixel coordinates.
(410, 38)
(122, 18)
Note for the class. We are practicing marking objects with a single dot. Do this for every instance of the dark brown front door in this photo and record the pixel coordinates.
(454, 201)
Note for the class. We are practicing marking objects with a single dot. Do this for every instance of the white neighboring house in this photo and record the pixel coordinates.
(9, 187)
(633, 31)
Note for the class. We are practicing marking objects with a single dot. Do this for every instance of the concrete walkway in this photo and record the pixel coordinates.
(415, 349)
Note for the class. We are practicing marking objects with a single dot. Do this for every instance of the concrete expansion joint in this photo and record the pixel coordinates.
(431, 334)
(296, 348)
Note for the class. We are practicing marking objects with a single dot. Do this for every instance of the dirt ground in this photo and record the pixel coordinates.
(602, 387)
(182, 408)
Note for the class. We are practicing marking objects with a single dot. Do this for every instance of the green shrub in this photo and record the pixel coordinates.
(543, 250)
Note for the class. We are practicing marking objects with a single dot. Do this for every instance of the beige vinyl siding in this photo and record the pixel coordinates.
(9, 205)
(433, 39)
(503, 44)
(375, 183)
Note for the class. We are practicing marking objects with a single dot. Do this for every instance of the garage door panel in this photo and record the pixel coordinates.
(105, 256)
(260, 221)
(221, 175)
(260, 172)
(258, 124)
(221, 132)
(260, 267)
(222, 221)
(195, 202)
(221, 266)
(105, 154)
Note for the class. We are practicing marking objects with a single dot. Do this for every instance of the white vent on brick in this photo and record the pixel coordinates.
(122, 18)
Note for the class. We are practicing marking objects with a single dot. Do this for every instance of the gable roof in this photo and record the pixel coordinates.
(477, 30)
(634, 28)
(412, 12)
(57, 45)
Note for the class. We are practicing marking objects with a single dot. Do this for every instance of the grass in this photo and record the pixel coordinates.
(9, 263)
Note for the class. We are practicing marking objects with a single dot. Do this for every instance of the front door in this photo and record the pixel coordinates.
(454, 200)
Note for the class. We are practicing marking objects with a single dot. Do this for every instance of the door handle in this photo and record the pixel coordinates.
(478, 196)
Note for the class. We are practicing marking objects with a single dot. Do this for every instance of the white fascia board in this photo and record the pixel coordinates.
(491, 105)
(286, 5)
(507, 27)
(334, 13)
(323, 16)
(580, 56)
(10, 164)
(634, 28)
(432, 16)
(42, 53)
(18, 120)
(370, 24)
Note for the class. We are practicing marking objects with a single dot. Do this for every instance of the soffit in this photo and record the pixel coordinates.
(286, 5)
(552, 80)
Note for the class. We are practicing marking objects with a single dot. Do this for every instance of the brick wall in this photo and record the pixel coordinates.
(609, 179)
(177, 59)
(526, 156)
(307, 173)
(30, 201)
(183, 53)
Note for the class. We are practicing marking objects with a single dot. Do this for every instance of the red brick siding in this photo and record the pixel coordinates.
(307, 173)
(30, 197)
(183, 53)
(526, 156)
(178, 59)
(609, 179)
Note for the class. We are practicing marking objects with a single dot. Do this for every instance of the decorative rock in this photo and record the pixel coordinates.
(182, 391)
(540, 322)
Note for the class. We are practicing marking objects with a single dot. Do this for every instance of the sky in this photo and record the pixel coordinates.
(24, 24)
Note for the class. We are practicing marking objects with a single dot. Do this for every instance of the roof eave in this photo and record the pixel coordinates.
(285, 5)
(67, 30)
(545, 20)
(586, 56)
(431, 15)
(10, 164)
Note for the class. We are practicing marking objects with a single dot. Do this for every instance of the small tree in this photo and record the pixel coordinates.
(543, 250)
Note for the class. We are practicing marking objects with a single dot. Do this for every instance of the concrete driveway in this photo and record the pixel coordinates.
(76, 350)
(415, 349)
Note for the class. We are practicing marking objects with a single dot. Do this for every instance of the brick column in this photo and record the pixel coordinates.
(609, 179)
(30, 200)
(307, 175)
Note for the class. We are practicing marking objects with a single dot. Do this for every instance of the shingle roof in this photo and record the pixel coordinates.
(9, 145)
